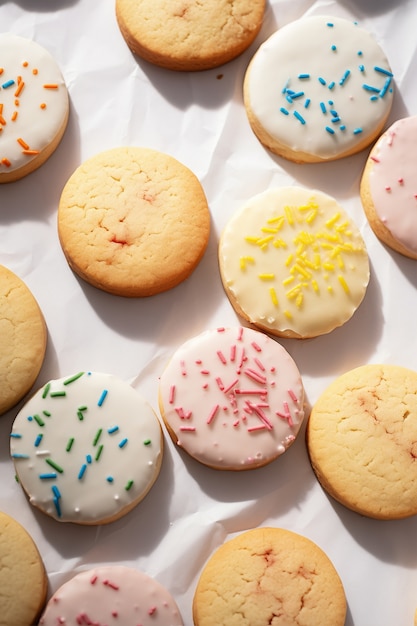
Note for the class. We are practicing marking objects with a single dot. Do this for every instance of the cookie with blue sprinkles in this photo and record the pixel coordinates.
(319, 89)
(87, 448)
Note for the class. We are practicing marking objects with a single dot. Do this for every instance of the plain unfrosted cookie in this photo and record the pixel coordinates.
(388, 187)
(34, 106)
(362, 435)
(133, 221)
(232, 398)
(23, 338)
(87, 448)
(320, 88)
(23, 579)
(293, 263)
(112, 594)
(188, 35)
(269, 576)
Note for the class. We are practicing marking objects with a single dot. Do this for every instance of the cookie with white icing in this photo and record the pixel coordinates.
(320, 88)
(388, 187)
(34, 106)
(293, 263)
(232, 398)
(110, 594)
(87, 448)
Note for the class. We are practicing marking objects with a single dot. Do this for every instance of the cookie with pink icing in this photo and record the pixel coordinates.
(232, 398)
(320, 88)
(34, 106)
(389, 187)
(87, 448)
(111, 594)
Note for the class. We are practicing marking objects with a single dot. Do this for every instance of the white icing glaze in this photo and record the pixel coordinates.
(309, 76)
(31, 115)
(86, 448)
(233, 397)
(392, 181)
(112, 594)
(293, 260)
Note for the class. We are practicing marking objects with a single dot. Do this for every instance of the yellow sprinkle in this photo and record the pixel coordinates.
(289, 215)
(280, 243)
(343, 283)
(273, 296)
(331, 222)
(288, 315)
(311, 216)
(263, 243)
(299, 300)
(277, 221)
(342, 227)
(266, 229)
(289, 260)
(328, 266)
(244, 260)
(266, 276)
(293, 293)
(330, 289)
(315, 285)
(297, 268)
(288, 281)
(252, 239)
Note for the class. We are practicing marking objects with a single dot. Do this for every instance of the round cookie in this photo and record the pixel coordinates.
(361, 438)
(23, 577)
(319, 89)
(269, 576)
(187, 35)
(34, 106)
(133, 221)
(293, 263)
(388, 187)
(112, 593)
(86, 448)
(232, 398)
(23, 339)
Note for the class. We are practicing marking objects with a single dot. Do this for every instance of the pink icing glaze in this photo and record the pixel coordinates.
(233, 397)
(393, 182)
(112, 594)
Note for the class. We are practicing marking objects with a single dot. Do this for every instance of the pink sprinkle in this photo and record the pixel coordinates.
(108, 583)
(152, 610)
(240, 333)
(253, 392)
(233, 352)
(250, 373)
(221, 357)
(235, 382)
(220, 383)
(205, 386)
(199, 362)
(258, 410)
(172, 394)
(204, 372)
(212, 414)
(259, 364)
(187, 428)
(184, 415)
(387, 188)
(256, 346)
(221, 329)
(93, 579)
(373, 158)
(183, 371)
(236, 423)
(401, 181)
(292, 395)
(114, 613)
(251, 429)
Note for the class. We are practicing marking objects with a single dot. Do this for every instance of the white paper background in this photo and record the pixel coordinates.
(199, 118)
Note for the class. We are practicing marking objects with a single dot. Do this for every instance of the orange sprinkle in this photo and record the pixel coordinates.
(14, 116)
(25, 63)
(1, 70)
(43, 105)
(16, 102)
(2, 120)
(19, 89)
(50, 86)
(6, 162)
(19, 79)
(30, 151)
(22, 143)
(35, 71)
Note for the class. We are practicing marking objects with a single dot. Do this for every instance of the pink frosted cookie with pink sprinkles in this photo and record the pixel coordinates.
(112, 594)
(232, 398)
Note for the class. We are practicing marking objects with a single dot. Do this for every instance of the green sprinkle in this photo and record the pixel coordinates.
(80, 412)
(46, 413)
(39, 420)
(129, 485)
(58, 394)
(97, 437)
(147, 442)
(70, 380)
(56, 467)
(46, 390)
(99, 451)
(69, 444)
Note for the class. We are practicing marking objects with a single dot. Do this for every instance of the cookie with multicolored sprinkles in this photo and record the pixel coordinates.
(319, 89)
(86, 448)
(34, 106)
(293, 263)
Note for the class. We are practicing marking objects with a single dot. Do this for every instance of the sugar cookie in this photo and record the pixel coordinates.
(23, 338)
(23, 579)
(188, 35)
(110, 594)
(232, 398)
(293, 263)
(269, 576)
(320, 88)
(362, 435)
(87, 448)
(34, 106)
(133, 221)
(388, 187)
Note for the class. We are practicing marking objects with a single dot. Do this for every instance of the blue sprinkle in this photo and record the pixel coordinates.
(303, 76)
(342, 127)
(299, 117)
(323, 107)
(385, 87)
(17, 455)
(373, 98)
(82, 471)
(30, 418)
(57, 507)
(334, 113)
(38, 440)
(321, 80)
(330, 130)
(382, 71)
(284, 89)
(102, 397)
(89, 459)
(307, 103)
(48, 476)
(283, 110)
(330, 24)
(361, 68)
(334, 48)
(124, 441)
(344, 77)
(298, 94)
(56, 491)
(370, 88)
(332, 84)
(330, 102)
(8, 83)
(288, 98)
(112, 430)
(357, 131)
(360, 53)
(335, 120)
(15, 435)
(110, 479)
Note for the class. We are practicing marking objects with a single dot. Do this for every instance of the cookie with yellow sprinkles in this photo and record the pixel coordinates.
(34, 106)
(87, 448)
(293, 263)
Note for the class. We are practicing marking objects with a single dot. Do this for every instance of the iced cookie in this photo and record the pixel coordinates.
(293, 263)
(110, 594)
(23, 577)
(269, 576)
(188, 35)
(87, 448)
(133, 221)
(232, 398)
(34, 106)
(362, 436)
(389, 189)
(320, 88)
(23, 338)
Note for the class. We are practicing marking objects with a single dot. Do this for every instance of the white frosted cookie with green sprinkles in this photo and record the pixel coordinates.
(293, 263)
(319, 89)
(87, 448)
